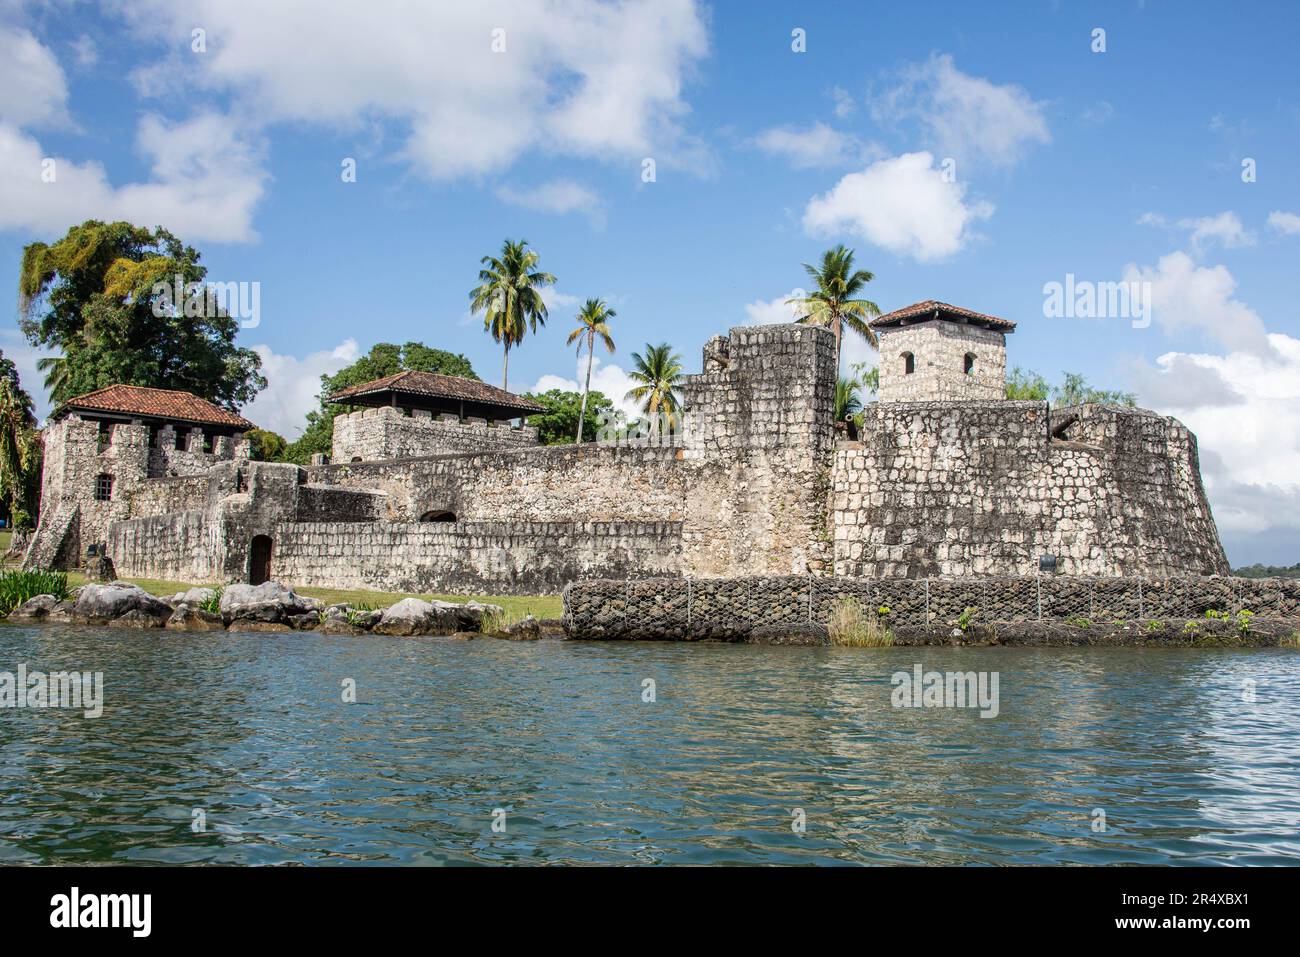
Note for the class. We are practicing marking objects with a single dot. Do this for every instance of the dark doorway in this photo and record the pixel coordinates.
(259, 560)
(438, 516)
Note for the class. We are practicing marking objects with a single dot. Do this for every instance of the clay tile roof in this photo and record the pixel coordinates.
(411, 382)
(933, 309)
(155, 403)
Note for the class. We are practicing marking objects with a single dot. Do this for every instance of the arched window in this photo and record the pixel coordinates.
(909, 363)
(968, 364)
(103, 488)
(438, 516)
(356, 458)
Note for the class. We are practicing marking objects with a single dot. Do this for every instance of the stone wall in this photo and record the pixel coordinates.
(939, 350)
(982, 488)
(385, 432)
(732, 608)
(179, 547)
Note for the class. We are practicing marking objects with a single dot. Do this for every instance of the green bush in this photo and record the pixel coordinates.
(212, 605)
(18, 586)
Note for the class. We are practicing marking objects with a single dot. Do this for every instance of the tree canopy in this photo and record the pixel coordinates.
(384, 359)
(559, 423)
(1073, 390)
(96, 296)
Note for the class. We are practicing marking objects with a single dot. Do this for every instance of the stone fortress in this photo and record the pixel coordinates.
(429, 488)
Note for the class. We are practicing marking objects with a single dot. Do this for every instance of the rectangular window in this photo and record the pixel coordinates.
(103, 488)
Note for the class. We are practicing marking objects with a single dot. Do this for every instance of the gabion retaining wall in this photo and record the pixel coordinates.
(730, 608)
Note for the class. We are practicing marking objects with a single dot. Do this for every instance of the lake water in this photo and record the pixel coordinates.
(252, 731)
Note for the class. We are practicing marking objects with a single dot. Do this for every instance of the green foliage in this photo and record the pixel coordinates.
(1079, 622)
(266, 446)
(832, 303)
(1073, 390)
(1244, 619)
(212, 604)
(91, 296)
(658, 373)
(357, 613)
(1155, 625)
(20, 450)
(848, 402)
(1268, 571)
(852, 627)
(18, 586)
(1191, 627)
(384, 359)
(509, 294)
(966, 617)
(593, 324)
(559, 423)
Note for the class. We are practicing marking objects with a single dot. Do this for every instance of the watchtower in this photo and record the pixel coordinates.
(931, 351)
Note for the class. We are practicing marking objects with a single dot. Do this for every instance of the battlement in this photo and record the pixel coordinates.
(387, 432)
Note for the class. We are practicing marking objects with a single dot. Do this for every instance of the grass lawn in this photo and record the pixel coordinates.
(6, 535)
(516, 606)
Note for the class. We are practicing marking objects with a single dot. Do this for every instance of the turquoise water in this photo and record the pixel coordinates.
(252, 730)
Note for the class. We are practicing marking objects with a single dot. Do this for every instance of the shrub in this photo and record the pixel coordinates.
(964, 619)
(849, 626)
(212, 605)
(18, 586)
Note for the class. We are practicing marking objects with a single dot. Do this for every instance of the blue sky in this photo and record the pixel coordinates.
(1125, 163)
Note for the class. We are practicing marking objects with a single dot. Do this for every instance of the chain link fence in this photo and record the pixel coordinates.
(730, 608)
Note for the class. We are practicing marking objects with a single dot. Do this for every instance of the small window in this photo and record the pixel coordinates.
(968, 364)
(356, 458)
(103, 488)
(239, 481)
(105, 436)
(909, 363)
(179, 441)
(438, 516)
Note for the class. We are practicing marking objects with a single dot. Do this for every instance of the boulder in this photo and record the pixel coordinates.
(413, 616)
(189, 617)
(307, 621)
(552, 628)
(269, 603)
(197, 596)
(34, 609)
(100, 604)
(137, 618)
(526, 629)
(100, 569)
(339, 625)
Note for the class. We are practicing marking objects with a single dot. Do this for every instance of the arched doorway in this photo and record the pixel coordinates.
(438, 516)
(259, 560)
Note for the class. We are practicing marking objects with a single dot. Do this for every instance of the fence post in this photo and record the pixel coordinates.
(810, 598)
(688, 602)
(1091, 603)
(1142, 608)
(1038, 588)
(927, 600)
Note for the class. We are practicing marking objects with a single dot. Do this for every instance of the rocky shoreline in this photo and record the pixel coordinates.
(270, 607)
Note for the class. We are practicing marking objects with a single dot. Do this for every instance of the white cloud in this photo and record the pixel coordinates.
(965, 116)
(578, 78)
(24, 356)
(1288, 223)
(903, 204)
(292, 386)
(205, 183)
(1100, 112)
(764, 312)
(1246, 417)
(1185, 296)
(844, 102)
(85, 52)
(610, 380)
(33, 91)
(817, 145)
(558, 196)
(1225, 230)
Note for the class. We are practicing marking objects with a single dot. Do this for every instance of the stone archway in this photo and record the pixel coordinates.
(438, 515)
(259, 559)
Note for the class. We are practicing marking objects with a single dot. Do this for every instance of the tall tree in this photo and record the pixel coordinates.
(384, 359)
(832, 302)
(509, 294)
(20, 449)
(118, 302)
(658, 372)
(593, 324)
(565, 414)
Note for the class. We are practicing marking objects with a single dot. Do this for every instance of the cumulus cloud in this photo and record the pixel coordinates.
(964, 116)
(608, 379)
(1225, 230)
(1283, 222)
(33, 90)
(903, 204)
(762, 312)
(845, 106)
(473, 85)
(293, 385)
(558, 196)
(1187, 296)
(1245, 411)
(816, 145)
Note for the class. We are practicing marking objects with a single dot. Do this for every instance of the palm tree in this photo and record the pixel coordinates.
(659, 372)
(510, 293)
(847, 400)
(55, 369)
(832, 303)
(593, 321)
(19, 452)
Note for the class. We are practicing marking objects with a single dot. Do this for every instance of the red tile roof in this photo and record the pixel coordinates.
(411, 382)
(155, 403)
(933, 309)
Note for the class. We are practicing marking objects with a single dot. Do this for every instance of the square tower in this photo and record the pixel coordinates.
(931, 351)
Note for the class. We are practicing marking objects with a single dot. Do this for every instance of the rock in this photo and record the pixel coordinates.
(100, 569)
(34, 609)
(307, 621)
(413, 616)
(187, 617)
(274, 627)
(137, 618)
(338, 625)
(552, 628)
(197, 596)
(100, 604)
(269, 603)
(526, 630)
